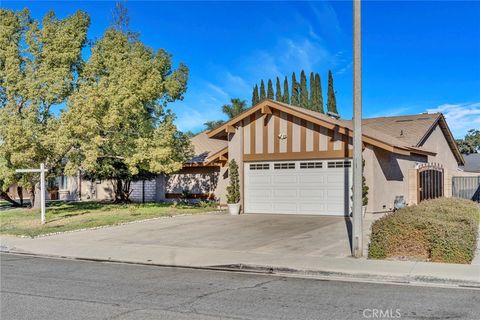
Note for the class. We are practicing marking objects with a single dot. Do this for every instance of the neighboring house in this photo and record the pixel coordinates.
(297, 161)
(472, 163)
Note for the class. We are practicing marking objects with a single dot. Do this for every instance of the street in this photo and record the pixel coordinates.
(42, 288)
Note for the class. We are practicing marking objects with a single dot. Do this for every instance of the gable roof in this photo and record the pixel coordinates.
(205, 149)
(384, 132)
(472, 162)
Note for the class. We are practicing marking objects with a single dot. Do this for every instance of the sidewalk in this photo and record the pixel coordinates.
(303, 266)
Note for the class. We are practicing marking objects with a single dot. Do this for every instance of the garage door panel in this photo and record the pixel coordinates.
(284, 178)
(298, 189)
(312, 178)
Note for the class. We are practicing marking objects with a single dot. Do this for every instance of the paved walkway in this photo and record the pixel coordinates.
(315, 246)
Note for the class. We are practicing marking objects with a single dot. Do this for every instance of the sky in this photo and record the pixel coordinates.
(417, 56)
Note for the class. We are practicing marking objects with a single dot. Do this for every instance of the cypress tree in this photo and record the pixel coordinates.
(303, 91)
(331, 100)
(318, 90)
(295, 89)
(286, 95)
(262, 91)
(255, 98)
(270, 93)
(278, 91)
(313, 93)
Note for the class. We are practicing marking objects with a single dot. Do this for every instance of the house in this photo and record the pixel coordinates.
(297, 161)
(472, 163)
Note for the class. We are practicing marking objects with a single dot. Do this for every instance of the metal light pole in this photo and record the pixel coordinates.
(357, 229)
(42, 171)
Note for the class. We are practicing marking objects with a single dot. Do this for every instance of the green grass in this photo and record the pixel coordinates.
(440, 230)
(63, 216)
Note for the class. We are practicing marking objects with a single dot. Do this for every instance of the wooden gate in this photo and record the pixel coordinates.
(430, 181)
(466, 187)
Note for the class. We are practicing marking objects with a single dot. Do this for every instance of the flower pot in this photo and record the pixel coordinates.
(234, 208)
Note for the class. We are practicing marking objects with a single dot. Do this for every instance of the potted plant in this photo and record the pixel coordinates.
(233, 189)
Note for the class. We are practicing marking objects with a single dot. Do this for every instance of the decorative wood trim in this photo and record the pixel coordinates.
(303, 135)
(331, 136)
(289, 132)
(266, 110)
(276, 131)
(229, 129)
(253, 146)
(316, 137)
(265, 139)
(334, 154)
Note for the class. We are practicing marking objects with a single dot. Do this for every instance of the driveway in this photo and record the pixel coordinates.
(201, 240)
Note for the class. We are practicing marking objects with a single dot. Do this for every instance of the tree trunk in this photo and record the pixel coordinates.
(35, 196)
(122, 191)
(6, 197)
(20, 194)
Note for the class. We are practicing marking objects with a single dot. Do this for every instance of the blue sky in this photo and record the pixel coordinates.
(417, 56)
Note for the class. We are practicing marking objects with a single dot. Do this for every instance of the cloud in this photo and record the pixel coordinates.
(460, 117)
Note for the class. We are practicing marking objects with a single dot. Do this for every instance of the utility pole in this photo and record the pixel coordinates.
(357, 228)
(42, 171)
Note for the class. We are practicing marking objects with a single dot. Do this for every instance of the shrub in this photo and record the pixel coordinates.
(439, 230)
(233, 189)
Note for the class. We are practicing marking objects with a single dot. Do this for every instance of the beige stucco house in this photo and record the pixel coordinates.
(297, 161)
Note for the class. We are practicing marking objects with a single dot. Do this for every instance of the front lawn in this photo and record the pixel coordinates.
(440, 230)
(63, 216)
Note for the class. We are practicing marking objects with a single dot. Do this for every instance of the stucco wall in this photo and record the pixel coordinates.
(198, 180)
(437, 142)
(387, 176)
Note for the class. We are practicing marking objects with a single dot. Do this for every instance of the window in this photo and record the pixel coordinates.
(62, 182)
(311, 165)
(339, 164)
(286, 165)
(259, 166)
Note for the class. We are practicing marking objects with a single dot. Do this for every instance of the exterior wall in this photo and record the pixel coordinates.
(437, 142)
(388, 175)
(281, 136)
(210, 181)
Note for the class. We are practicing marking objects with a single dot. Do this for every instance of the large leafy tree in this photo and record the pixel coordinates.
(255, 96)
(39, 67)
(318, 103)
(213, 124)
(278, 90)
(270, 93)
(263, 94)
(471, 142)
(117, 126)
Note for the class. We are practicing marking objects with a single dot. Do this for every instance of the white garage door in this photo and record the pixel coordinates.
(320, 187)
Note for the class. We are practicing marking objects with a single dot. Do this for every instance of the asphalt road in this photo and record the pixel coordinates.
(40, 288)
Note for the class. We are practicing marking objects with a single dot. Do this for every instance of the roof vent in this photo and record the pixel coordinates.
(333, 115)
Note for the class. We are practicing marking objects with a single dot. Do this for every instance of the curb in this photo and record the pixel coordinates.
(286, 272)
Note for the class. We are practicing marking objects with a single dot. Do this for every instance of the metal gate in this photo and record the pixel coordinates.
(430, 181)
(466, 188)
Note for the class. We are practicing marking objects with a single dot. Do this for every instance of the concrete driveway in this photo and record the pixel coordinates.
(202, 240)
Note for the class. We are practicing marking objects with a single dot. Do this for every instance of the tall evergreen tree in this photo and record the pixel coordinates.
(318, 90)
(331, 100)
(270, 93)
(263, 95)
(303, 91)
(255, 97)
(295, 91)
(313, 93)
(286, 95)
(278, 91)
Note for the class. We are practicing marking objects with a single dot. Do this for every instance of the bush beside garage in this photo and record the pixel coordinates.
(439, 230)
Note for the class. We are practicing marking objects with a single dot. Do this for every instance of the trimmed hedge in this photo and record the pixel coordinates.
(439, 230)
